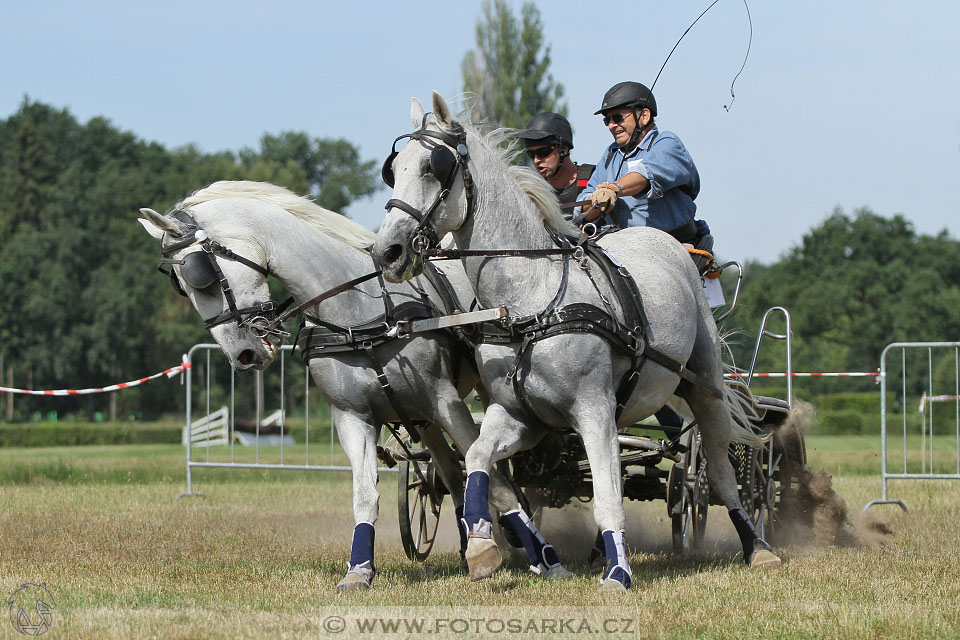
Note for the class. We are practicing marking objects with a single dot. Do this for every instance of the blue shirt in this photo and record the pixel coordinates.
(674, 182)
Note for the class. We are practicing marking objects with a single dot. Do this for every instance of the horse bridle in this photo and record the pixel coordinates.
(448, 155)
(204, 270)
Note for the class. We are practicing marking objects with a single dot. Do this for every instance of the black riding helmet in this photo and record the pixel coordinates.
(547, 126)
(628, 94)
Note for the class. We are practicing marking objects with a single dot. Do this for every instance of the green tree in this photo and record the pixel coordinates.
(82, 304)
(332, 171)
(508, 71)
(855, 284)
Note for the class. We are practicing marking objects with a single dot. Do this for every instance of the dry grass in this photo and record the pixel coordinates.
(260, 557)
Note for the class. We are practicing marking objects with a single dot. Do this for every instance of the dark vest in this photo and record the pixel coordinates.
(571, 193)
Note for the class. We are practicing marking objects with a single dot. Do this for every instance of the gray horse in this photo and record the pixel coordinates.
(453, 179)
(267, 229)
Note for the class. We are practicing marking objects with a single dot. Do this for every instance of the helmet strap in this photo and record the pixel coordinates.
(637, 134)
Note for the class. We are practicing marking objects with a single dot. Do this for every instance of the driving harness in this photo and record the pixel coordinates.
(629, 336)
(321, 338)
(201, 270)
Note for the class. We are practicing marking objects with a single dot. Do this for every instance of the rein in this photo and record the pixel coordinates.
(340, 288)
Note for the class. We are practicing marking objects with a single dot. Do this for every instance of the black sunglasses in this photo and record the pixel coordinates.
(541, 152)
(616, 118)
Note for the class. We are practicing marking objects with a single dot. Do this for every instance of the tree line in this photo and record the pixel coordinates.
(81, 306)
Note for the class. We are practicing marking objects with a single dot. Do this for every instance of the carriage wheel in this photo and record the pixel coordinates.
(781, 479)
(689, 496)
(419, 503)
(769, 473)
(745, 461)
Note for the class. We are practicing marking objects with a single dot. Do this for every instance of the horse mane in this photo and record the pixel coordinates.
(328, 222)
(502, 147)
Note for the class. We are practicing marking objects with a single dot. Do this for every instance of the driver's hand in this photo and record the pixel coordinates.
(604, 196)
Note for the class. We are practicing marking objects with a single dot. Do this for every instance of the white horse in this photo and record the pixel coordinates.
(456, 180)
(262, 229)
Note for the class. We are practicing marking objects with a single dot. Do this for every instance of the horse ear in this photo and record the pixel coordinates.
(156, 224)
(441, 111)
(417, 112)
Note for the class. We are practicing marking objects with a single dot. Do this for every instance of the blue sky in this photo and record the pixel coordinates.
(844, 104)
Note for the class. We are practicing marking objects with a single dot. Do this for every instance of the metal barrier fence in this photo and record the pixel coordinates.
(920, 394)
(220, 392)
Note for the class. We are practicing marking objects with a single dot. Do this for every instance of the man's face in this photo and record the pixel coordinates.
(545, 158)
(621, 124)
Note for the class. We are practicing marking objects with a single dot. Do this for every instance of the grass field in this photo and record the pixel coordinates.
(260, 556)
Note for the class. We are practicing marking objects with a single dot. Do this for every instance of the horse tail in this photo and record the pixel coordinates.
(743, 414)
(739, 401)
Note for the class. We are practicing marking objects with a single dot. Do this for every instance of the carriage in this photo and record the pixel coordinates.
(670, 468)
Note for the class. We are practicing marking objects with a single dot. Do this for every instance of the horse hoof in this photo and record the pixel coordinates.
(483, 558)
(596, 561)
(612, 586)
(763, 556)
(557, 572)
(352, 582)
(763, 559)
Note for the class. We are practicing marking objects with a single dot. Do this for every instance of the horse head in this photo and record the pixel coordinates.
(227, 289)
(431, 190)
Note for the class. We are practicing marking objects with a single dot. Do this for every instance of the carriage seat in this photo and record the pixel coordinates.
(771, 404)
(772, 411)
(760, 406)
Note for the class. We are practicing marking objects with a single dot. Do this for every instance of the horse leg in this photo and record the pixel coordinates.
(458, 422)
(598, 432)
(713, 416)
(448, 466)
(501, 435)
(358, 437)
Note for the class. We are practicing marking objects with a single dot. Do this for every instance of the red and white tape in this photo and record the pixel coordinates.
(172, 371)
(855, 374)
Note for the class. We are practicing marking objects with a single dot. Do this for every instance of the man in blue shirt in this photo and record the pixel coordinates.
(646, 177)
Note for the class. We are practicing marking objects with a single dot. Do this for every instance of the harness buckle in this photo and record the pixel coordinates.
(402, 328)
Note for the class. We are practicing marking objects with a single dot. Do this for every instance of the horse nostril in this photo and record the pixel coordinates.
(392, 253)
(245, 357)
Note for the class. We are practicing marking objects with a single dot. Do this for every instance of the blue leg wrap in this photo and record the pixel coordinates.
(617, 566)
(361, 551)
(476, 513)
(542, 555)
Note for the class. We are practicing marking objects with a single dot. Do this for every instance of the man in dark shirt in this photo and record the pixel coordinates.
(548, 139)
